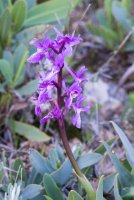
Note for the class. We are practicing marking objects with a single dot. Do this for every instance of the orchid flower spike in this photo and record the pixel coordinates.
(52, 85)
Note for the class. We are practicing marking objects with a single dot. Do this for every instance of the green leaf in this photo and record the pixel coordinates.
(51, 188)
(29, 88)
(2, 90)
(60, 153)
(21, 54)
(48, 198)
(9, 3)
(18, 55)
(101, 149)
(31, 3)
(131, 99)
(34, 176)
(127, 4)
(99, 192)
(94, 29)
(88, 188)
(108, 9)
(6, 70)
(121, 15)
(9, 57)
(49, 12)
(132, 171)
(1, 6)
(62, 174)
(108, 35)
(18, 14)
(126, 179)
(41, 164)
(53, 157)
(89, 159)
(130, 47)
(28, 131)
(127, 192)
(5, 26)
(116, 189)
(31, 191)
(108, 182)
(19, 168)
(101, 17)
(73, 195)
(1, 51)
(127, 145)
(29, 33)
(1, 172)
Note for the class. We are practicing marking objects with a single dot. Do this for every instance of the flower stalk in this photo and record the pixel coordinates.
(53, 88)
(69, 153)
(62, 130)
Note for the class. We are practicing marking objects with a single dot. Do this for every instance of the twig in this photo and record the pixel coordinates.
(83, 15)
(125, 76)
(105, 65)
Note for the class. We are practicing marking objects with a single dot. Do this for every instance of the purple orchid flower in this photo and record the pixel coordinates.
(37, 110)
(36, 57)
(41, 49)
(78, 76)
(55, 113)
(74, 91)
(42, 98)
(52, 83)
(70, 40)
(78, 108)
(44, 48)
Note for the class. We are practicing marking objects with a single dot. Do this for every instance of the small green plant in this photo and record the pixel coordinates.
(50, 177)
(114, 22)
(123, 182)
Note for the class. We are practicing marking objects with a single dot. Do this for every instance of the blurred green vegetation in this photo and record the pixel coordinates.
(113, 22)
